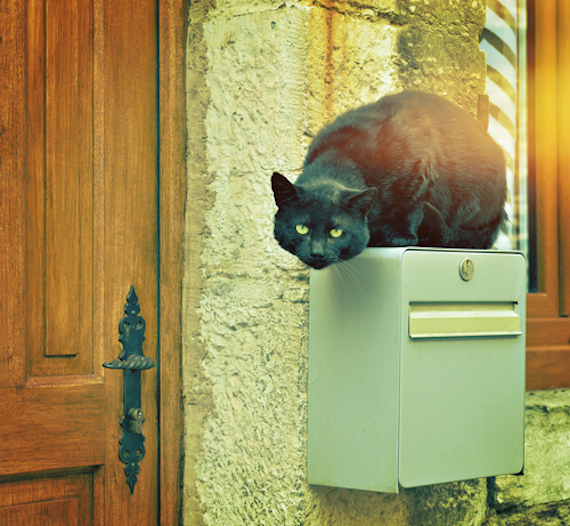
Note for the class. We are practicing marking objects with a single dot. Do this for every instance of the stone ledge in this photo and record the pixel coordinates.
(461, 503)
(547, 455)
(552, 514)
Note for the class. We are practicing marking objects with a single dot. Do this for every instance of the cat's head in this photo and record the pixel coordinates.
(321, 223)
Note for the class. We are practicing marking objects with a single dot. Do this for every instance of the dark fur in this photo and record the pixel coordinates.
(410, 169)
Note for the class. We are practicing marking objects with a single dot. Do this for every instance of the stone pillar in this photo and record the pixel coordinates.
(263, 77)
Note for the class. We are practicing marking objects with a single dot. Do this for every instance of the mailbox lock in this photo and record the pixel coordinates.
(466, 269)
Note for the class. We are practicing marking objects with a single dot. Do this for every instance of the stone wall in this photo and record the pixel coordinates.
(263, 77)
(542, 496)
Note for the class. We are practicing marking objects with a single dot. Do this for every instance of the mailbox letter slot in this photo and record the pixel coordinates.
(460, 320)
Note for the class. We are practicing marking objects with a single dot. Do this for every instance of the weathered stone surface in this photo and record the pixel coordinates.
(197, 386)
(454, 504)
(253, 310)
(231, 8)
(345, 6)
(438, 49)
(458, 14)
(263, 77)
(350, 62)
(458, 504)
(552, 514)
(547, 455)
(354, 508)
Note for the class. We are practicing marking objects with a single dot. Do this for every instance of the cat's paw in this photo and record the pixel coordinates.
(397, 240)
(433, 230)
(432, 216)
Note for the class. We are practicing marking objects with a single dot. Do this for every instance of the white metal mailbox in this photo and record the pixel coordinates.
(416, 368)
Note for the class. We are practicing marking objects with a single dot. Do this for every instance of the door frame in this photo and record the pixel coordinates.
(172, 33)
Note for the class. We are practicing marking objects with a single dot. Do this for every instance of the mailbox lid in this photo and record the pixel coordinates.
(461, 385)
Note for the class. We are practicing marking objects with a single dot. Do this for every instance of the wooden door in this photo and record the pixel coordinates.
(79, 224)
(548, 309)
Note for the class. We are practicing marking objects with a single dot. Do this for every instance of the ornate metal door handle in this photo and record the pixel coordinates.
(132, 361)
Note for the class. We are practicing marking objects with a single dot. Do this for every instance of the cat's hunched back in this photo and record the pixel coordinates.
(410, 169)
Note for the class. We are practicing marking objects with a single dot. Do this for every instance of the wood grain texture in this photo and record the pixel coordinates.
(131, 235)
(547, 367)
(35, 172)
(68, 144)
(548, 327)
(563, 103)
(51, 428)
(87, 207)
(173, 18)
(50, 513)
(50, 501)
(59, 228)
(542, 332)
(12, 191)
(82, 210)
(546, 148)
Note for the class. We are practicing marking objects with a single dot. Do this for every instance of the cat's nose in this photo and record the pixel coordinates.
(318, 261)
(317, 251)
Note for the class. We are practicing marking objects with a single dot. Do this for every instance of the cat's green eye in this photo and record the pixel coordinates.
(336, 232)
(302, 229)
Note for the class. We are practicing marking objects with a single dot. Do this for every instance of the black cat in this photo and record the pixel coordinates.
(410, 169)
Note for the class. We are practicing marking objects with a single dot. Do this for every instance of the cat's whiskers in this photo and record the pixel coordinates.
(350, 271)
(337, 270)
(355, 270)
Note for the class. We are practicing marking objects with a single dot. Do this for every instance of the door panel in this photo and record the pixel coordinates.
(67, 145)
(60, 186)
(53, 427)
(78, 227)
(57, 501)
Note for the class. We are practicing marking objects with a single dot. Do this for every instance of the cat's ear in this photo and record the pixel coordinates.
(362, 202)
(283, 190)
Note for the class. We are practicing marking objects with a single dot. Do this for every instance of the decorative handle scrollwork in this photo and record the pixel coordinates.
(132, 361)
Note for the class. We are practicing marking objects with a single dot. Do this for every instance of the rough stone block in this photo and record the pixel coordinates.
(457, 503)
(264, 75)
(231, 8)
(552, 514)
(351, 508)
(253, 298)
(254, 125)
(350, 61)
(456, 13)
(343, 5)
(547, 455)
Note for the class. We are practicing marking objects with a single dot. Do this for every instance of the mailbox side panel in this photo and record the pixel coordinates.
(462, 398)
(354, 321)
